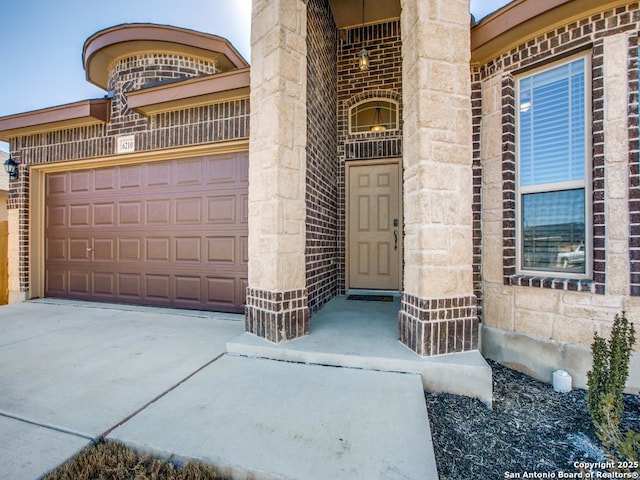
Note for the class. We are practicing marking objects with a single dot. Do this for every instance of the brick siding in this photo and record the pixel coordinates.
(219, 122)
(382, 80)
(321, 191)
(582, 35)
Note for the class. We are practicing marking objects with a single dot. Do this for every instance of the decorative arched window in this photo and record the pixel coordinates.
(373, 115)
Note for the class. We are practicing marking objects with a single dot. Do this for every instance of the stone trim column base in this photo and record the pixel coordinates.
(277, 316)
(438, 326)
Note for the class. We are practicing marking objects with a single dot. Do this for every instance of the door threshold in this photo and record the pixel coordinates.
(365, 291)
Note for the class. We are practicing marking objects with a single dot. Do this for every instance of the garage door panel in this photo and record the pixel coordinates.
(221, 250)
(56, 216)
(189, 172)
(167, 233)
(221, 290)
(158, 249)
(56, 183)
(80, 181)
(56, 281)
(158, 286)
(221, 209)
(188, 249)
(79, 283)
(221, 169)
(104, 214)
(130, 176)
(104, 283)
(79, 215)
(130, 286)
(56, 249)
(189, 210)
(79, 249)
(104, 249)
(159, 212)
(158, 175)
(129, 249)
(188, 288)
(105, 179)
(130, 213)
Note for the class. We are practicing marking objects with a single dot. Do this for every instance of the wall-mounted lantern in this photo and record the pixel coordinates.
(11, 167)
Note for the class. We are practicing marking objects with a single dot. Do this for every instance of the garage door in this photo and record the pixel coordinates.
(168, 233)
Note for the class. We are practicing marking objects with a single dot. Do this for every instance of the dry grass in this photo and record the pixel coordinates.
(114, 461)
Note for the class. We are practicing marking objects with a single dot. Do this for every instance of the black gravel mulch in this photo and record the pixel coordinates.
(530, 429)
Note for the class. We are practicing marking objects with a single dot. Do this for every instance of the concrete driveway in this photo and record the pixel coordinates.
(72, 371)
(159, 381)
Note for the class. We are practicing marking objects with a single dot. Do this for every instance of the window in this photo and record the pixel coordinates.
(553, 197)
(375, 115)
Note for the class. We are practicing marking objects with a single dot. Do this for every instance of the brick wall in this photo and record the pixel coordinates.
(321, 188)
(583, 35)
(382, 80)
(219, 122)
(560, 315)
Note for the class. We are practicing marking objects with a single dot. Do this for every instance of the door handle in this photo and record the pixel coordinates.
(395, 239)
(90, 249)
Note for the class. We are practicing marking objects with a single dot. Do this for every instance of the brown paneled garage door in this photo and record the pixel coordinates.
(168, 233)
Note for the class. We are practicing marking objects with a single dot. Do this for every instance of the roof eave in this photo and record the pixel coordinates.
(190, 93)
(72, 115)
(520, 20)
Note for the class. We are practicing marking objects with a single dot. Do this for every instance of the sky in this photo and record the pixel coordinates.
(41, 44)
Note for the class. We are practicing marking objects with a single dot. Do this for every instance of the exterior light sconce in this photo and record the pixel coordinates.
(363, 56)
(11, 167)
(377, 122)
(363, 60)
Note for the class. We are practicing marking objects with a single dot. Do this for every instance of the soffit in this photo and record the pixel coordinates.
(521, 20)
(105, 47)
(72, 115)
(348, 13)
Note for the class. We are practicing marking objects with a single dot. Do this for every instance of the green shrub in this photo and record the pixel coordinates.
(605, 386)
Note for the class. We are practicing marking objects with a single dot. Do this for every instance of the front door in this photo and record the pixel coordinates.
(374, 227)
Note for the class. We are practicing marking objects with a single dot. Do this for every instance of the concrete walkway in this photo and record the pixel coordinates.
(158, 379)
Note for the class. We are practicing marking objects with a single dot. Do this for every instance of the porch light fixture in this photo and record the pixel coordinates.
(363, 56)
(377, 121)
(11, 167)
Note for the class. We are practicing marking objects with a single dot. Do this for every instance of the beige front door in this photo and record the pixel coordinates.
(374, 227)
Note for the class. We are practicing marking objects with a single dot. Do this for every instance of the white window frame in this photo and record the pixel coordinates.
(373, 100)
(585, 184)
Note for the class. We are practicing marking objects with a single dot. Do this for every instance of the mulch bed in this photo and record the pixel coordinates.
(531, 428)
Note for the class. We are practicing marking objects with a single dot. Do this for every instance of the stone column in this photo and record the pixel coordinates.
(438, 313)
(616, 158)
(276, 297)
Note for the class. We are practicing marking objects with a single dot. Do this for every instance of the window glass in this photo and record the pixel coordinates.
(553, 232)
(374, 116)
(552, 122)
(552, 156)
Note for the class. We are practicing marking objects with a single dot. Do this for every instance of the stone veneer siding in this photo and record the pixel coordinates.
(634, 169)
(219, 122)
(561, 311)
(382, 80)
(439, 311)
(321, 195)
(277, 170)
